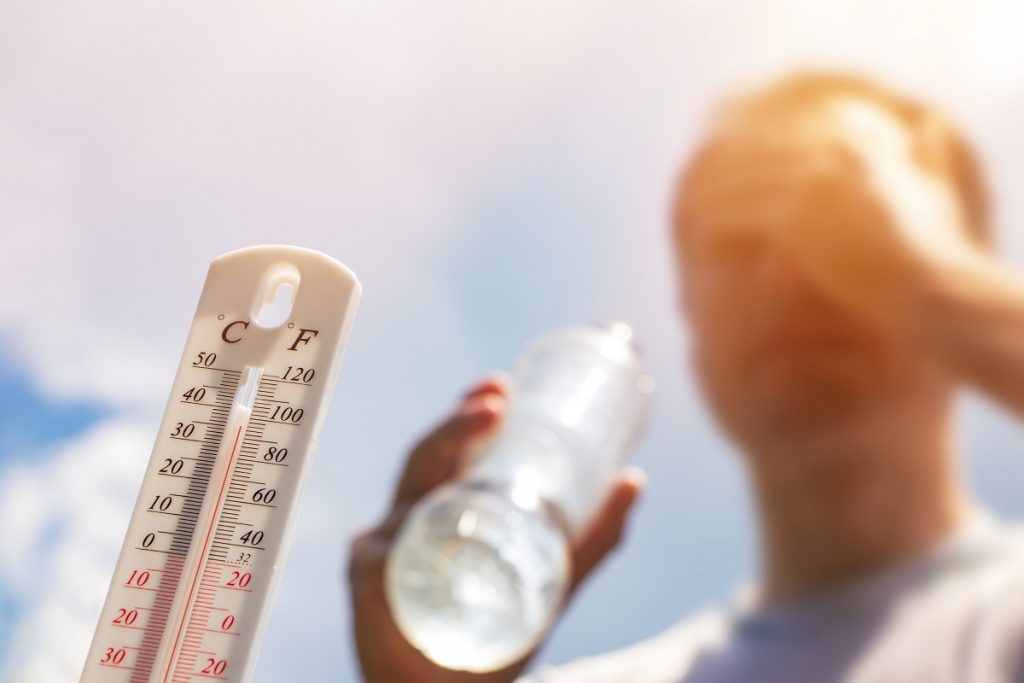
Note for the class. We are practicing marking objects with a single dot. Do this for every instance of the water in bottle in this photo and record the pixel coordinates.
(481, 565)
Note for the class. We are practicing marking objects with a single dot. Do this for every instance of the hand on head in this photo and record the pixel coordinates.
(841, 192)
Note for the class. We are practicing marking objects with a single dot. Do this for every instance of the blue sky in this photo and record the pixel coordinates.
(489, 174)
(29, 424)
(30, 421)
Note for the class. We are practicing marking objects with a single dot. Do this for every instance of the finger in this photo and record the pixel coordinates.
(368, 553)
(394, 519)
(758, 181)
(496, 383)
(437, 458)
(426, 467)
(770, 136)
(723, 162)
(605, 532)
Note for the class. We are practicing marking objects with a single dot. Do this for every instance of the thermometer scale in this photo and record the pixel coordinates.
(191, 593)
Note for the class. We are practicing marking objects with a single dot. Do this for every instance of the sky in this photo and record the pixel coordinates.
(490, 171)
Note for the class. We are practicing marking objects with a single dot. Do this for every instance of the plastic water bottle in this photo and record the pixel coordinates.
(481, 566)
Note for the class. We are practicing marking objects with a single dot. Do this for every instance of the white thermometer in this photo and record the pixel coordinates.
(199, 566)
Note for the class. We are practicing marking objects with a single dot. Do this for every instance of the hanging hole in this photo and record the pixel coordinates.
(274, 306)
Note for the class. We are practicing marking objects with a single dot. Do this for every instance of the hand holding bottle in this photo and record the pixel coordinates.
(385, 656)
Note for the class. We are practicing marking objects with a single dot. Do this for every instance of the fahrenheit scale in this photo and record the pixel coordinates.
(190, 597)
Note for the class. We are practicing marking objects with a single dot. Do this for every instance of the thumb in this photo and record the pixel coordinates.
(605, 531)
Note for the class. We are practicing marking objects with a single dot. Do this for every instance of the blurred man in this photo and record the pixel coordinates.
(833, 245)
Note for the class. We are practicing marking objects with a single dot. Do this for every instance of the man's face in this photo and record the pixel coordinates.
(776, 356)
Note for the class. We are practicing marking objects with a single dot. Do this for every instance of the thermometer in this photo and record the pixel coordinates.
(191, 593)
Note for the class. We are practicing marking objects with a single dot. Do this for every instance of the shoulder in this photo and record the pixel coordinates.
(968, 613)
(663, 658)
(995, 582)
(977, 577)
(990, 563)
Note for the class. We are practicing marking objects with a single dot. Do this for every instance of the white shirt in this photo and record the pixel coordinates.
(953, 616)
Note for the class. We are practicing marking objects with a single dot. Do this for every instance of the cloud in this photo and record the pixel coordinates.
(67, 510)
(139, 146)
